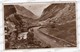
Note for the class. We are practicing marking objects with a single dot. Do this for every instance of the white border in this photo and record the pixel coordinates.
(41, 50)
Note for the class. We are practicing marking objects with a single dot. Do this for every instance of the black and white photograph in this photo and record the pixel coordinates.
(40, 25)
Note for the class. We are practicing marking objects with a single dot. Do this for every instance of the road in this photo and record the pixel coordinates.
(45, 39)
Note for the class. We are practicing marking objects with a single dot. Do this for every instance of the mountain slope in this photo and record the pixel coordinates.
(8, 9)
(60, 13)
(51, 11)
(25, 12)
(60, 21)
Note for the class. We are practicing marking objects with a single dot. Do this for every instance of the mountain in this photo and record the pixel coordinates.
(51, 11)
(60, 13)
(59, 20)
(24, 12)
(20, 16)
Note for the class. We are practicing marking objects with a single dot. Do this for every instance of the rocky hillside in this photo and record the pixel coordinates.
(60, 20)
(51, 11)
(27, 17)
(9, 9)
(25, 12)
(60, 13)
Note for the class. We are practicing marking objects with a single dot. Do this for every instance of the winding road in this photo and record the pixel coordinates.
(46, 40)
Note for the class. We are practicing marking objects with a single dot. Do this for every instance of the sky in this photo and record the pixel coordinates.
(36, 8)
